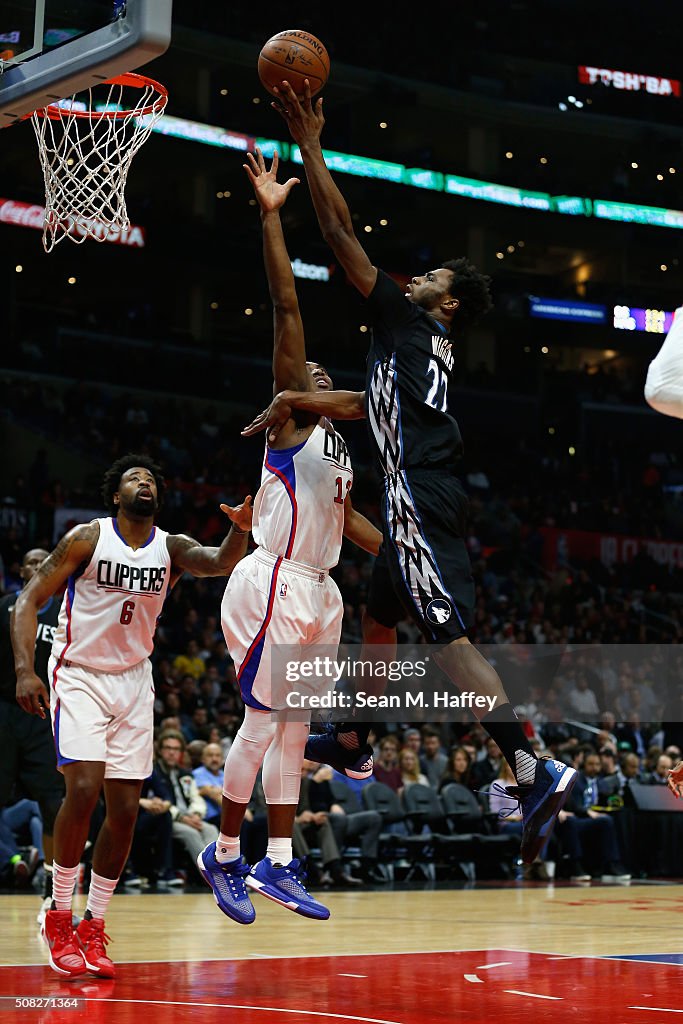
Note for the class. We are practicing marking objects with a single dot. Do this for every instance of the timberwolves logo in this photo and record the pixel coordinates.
(438, 611)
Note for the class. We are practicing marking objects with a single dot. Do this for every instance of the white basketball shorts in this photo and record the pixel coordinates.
(271, 600)
(104, 716)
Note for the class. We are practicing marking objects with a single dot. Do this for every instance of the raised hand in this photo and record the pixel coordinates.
(274, 418)
(240, 515)
(304, 120)
(270, 194)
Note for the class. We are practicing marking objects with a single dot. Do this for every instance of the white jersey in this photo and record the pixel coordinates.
(110, 609)
(299, 508)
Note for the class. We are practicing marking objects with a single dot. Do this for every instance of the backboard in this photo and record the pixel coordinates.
(51, 49)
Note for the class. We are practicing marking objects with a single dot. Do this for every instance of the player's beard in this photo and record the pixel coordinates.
(141, 508)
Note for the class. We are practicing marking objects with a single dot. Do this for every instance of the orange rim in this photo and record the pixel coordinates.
(57, 113)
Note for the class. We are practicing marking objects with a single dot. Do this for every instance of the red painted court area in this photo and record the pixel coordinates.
(417, 988)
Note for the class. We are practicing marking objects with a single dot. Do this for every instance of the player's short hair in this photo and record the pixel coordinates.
(112, 478)
(472, 289)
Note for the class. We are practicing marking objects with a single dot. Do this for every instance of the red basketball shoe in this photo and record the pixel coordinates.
(63, 948)
(92, 940)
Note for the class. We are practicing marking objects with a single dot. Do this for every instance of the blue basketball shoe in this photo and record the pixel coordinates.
(541, 802)
(283, 883)
(227, 883)
(325, 748)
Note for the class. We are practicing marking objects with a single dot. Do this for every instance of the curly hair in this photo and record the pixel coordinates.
(112, 478)
(472, 289)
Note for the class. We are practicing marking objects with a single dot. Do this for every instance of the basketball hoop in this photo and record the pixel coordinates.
(86, 152)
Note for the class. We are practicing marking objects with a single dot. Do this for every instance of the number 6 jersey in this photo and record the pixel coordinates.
(111, 605)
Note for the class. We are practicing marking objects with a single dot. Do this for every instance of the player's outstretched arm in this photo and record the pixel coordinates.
(360, 530)
(74, 549)
(188, 555)
(675, 779)
(289, 349)
(305, 124)
(336, 405)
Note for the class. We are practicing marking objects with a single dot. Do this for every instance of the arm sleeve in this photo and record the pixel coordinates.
(387, 304)
(664, 384)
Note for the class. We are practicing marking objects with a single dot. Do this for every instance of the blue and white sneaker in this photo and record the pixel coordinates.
(283, 883)
(324, 748)
(227, 883)
(541, 803)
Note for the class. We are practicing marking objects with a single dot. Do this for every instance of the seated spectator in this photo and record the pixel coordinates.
(458, 768)
(195, 749)
(190, 663)
(24, 817)
(151, 854)
(386, 764)
(582, 702)
(412, 740)
(176, 785)
(209, 779)
(433, 759)
(633, 734)
(581, 827)
(198, 726)
(409, 766)
(629, 765)
(610, 780)
(485, 771)
(13, 866)
(660, 775)
(361, 826)
(313, 828)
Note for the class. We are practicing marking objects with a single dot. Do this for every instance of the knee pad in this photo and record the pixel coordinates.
(246, 755)
(282, 763)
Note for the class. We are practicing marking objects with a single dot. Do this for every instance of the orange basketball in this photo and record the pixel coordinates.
(294, 55)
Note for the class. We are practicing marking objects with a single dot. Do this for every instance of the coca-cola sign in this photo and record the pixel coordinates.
(30, 215)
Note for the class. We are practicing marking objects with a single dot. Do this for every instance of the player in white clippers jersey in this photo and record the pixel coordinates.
(281, 594)
(664, 384)
(117, 571)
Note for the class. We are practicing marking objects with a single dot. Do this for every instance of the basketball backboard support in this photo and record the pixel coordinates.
(51, 49)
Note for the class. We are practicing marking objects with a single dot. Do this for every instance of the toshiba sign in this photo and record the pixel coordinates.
(27, 215)
(630, 81)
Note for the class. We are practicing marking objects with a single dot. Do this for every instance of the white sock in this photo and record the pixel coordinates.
(525, 768)
(227, 848)
(279, 850)
(63, 885)
(100, 892)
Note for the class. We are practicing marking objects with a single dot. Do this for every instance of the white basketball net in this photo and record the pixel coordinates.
(86, 153)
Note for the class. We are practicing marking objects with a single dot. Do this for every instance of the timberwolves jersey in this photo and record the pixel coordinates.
(299, 508)
(409, 372)
(112, 604)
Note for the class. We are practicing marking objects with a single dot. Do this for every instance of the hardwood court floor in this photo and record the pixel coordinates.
(387, 957)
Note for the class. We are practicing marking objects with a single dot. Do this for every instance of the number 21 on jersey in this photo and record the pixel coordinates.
(437, 396)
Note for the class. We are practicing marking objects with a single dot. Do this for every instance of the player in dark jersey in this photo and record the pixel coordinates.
(424, 566)
(28, 750)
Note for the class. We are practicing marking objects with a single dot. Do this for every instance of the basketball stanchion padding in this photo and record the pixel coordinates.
(86, 149)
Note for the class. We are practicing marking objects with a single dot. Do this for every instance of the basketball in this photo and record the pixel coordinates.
(294, 55)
